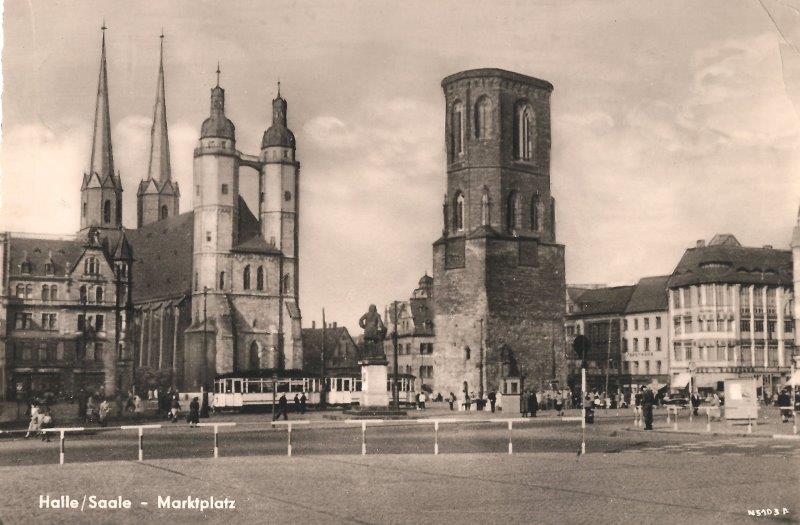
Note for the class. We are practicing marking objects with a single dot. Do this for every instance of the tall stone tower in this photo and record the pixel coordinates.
(216, 219)
(158, 195)
(101, 189)
(498, 272)
(795, 244)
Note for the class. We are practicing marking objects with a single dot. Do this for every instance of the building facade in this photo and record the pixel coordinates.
(498, 271)
(179, 299)
(645, 334)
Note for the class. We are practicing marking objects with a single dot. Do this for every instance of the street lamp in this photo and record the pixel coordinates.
(395, 393)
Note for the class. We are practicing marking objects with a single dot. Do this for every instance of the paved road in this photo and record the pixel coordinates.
(253, 438)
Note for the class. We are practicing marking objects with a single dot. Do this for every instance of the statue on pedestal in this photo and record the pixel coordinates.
(374, 334)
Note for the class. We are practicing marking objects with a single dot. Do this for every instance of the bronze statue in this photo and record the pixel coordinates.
(374, 332)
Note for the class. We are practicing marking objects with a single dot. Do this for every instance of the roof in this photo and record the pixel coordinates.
(62, 253)
(312, 348)
(278, 135)
(724, 260)
(162, 265)
(574, 292)
(604, 301)
(650, 295)
(498, 73)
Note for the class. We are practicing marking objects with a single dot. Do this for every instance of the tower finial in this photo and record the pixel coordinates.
(279, 87)
(218, 73)
(103, 27)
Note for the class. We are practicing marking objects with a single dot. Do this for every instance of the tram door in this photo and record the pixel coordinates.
(237, 392)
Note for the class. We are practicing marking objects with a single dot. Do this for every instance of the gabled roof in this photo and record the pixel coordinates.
(726, 261)
(38, 252)
(650, 295)
(604, 301)
(162, 265)
(312, 348)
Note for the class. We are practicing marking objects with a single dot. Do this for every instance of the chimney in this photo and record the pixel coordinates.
(700, 243)
(767, 246)
(313, 324)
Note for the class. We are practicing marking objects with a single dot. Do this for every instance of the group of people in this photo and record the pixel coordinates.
(41, 420)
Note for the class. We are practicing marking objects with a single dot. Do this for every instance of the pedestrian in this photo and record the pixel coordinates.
(467, 401)
(82, 398)
(303, 400)
(523, 403)
(35, 424)
(46, 422)
(648, 400)
(105, 410)
(492, 399)
(296, 404)
(695, 400)
(138, 406)
(282, 404)
(533, 403)
(423, 398)
(175, 409)
(559, 404)
(194, 412)
(451, 399)
(417, 400)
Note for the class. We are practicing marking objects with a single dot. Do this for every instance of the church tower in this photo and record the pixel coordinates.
(216, 219)
(101, 190)
(498, 283)
(158, 195)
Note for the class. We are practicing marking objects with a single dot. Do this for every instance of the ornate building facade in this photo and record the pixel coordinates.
(179, 299)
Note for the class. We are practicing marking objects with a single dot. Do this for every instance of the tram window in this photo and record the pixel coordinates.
(237, 387)
(327, 384)
(228, 386)
(283, 386)
(346, 385)
(297, 386)
(358, 385)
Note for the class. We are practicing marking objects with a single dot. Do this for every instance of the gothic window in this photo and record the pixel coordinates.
(260, 278)
(458, 212)
(98, 323)
(285, 284)
(83, 210)
(221, 280)
(53, 293)
(118, 210)
(224, 189)
(483, 118)
(45, 293)
(511, 212)
(485, 207)
(83, 294)
(246, 278)
(20, 291)
(457, 125)
(98, 294)
(254, 358)
(535, 212)
(164, 212)
(524, 131)
(107, 211)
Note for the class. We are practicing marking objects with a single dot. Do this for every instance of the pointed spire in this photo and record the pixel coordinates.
(218, 72)
(159, 168)
(102, 161)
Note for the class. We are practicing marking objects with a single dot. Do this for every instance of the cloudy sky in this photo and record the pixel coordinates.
(672, 121)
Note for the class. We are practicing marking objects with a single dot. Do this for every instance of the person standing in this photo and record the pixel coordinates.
(175, 409)
(533, 403)
(695, 402)
(492, 399)
(423, 398)
(648, 400)
(105, 410)
(785, 405)
(296, 404)
(194, 412)
(451, 399)
(524, 403)
(303, 400)
(467, 401)
(34, 424)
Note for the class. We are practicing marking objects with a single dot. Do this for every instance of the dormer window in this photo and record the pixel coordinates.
(48, 268)
(25, 266)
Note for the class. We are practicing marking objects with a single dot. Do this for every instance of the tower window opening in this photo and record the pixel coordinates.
(457, 130)
(485, 207)
(535, 212)
(83, 210)
(483, 118)
(164, 212)
(118, 210)
(511, 212)
(224, 189)
(107, 211)
(196, 281)
(458, 212)
(221, 280)
(260, 278)
(246, 277)
(254, 357)
(524, 127)
(287, 196)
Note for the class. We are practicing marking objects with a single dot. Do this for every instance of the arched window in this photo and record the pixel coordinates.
(164, 212)
(483, 118)
(458, 212)
(285, 284)
(457, 125)
(535, 212)
(246, 278)
(107, 211)
(260, 278)
(196, 281)
(20, 291)
(29, 291)
(25, 266)
(45, 293)
(83, 293)
(524, 130)
(98, 294)
(48, 268)
(221, 280)
(511, 212)
(255, 362)
(485, 207)
(54, 293)
(83, 210)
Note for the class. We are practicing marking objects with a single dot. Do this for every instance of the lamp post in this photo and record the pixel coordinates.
(480, 363)
(395, 393)
(274, 392)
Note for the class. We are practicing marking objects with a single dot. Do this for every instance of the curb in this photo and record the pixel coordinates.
(688, 432)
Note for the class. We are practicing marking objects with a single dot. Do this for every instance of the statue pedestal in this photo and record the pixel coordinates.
(374, 375)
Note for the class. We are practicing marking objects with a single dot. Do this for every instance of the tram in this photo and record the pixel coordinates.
(342, 389)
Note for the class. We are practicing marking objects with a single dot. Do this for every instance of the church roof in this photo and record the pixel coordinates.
(162, 265)
(159, 167)
(61, 253)
(102, 159)
(278, 135)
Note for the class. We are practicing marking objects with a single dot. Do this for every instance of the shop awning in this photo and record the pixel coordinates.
(794, 380)
(680, 380)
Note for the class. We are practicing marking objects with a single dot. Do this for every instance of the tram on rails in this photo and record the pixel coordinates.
(232, 392)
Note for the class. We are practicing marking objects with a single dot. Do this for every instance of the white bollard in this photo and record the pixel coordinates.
(510, 444)
(61, 450)
(363, 438)
(436, 437)
(289, 439)
(140, 428)
(708, 421)
(216, 433)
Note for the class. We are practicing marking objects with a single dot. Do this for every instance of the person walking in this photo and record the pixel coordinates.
(648, 400)
(451, 399)
(175, 409)
(303, 400)
(785, 405)
(296, 404)
(105, 411)
(523, 403)
(492, 400)
(423, 398)
(194, 412)
(695, 400)
(467, 402)
(34, 425)
(282, 404)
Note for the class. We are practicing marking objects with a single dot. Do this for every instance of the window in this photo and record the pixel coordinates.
(107, 211)
(658, 344)
(658, 367)
(647, 367)
(788, 325)
(254, 359)
(457, 131)
(744, 325)
(677, 352)
(208, 236)
(83, 298)
(261, 197)
(164, 212)
(83, 210)
(196, 281)
(99, 324)
(98, 294)
(458, 212)
(221, 280)
(45, 292)
(425, 348)
(20, 291)
(483, 118)
(426, 372)
(260, 278)
(523, 132)
(647, 323)
(758, 326)
(635, 344)
(23, 321)
(771, 327)
(636, 324)
(49, 322)
(287, 196)
(624, 345)
(511, 212)
(535, 212)
(658, 323)
(28, 291)
(81, 322)
(48, 268)
(99, 348)
(224, 189)
(54, 293)
(647, 344)
(246, 278)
